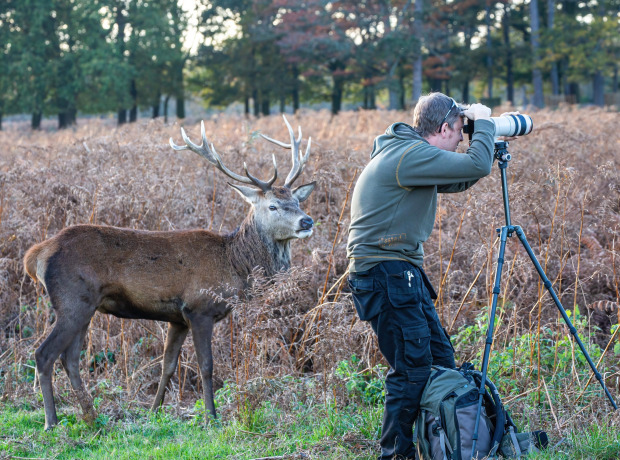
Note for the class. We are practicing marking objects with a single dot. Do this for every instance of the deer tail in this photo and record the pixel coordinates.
(31, 262)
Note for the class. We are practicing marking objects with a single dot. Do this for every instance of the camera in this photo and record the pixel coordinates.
(507, 125)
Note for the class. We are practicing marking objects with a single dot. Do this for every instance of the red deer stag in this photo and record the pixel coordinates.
(164, 276)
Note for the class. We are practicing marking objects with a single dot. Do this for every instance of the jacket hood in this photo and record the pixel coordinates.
(395, 132)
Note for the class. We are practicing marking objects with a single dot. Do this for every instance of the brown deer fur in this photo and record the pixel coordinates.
(181, 277)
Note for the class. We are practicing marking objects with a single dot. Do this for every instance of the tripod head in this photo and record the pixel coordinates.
(501, 151)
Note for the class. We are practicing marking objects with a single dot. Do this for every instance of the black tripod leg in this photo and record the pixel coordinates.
(567, 320)
(490, 330)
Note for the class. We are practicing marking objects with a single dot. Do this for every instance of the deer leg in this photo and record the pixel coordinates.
(202, 331)
(70, 359)
(58, 340)
(174, 341)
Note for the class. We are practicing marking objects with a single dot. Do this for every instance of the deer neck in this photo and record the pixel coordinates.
(251, 247)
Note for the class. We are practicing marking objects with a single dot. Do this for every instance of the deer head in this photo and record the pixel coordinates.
(275, 209)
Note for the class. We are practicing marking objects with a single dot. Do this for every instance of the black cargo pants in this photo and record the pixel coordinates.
(396, 297)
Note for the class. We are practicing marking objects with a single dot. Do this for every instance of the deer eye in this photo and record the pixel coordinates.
(272, 208)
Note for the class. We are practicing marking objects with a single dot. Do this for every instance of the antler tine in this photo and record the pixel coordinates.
(264, 186)
(207, 151)
(297, 160)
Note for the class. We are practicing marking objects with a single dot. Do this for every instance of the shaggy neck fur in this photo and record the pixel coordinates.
(249, 248)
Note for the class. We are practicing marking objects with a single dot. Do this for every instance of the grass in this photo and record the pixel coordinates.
(323, 431)
(318, 431)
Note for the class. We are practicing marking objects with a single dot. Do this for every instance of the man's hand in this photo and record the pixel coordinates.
(477, 112)
(506, 138)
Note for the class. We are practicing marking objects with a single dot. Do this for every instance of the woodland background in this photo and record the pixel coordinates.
(62, 58)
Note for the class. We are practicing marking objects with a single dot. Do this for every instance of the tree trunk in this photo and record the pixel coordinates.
(133, 112)
(295, 92)
(573, 89)
(489, 52)
(418, 26)
(555, 79)
(246, 108)
(394, 87)
(180, 106)
(265, 104)
(180, 90)
(0, 121)
(538, 99)
(35, 122)
(394, 96)
(155, 110)
(121, 22)
(337, 90)
(510, 91)
(401, 91)
(62, 120)
(598, 87)
(468, 36)
(166, 100)
(372, 98)
(614, 84)
(72, 113)
(122, 116)
(564, 75)
(256, 103)
(282, 104)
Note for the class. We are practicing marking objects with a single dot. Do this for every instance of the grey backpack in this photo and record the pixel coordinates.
(445, 425)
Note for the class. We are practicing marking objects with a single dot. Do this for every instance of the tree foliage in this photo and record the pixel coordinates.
(58, 57)
(64, 56)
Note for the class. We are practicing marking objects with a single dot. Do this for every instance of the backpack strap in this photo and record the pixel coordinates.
(515, 441)
(444, 443)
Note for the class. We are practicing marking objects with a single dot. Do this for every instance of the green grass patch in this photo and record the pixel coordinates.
(322, 430)
(257, 421)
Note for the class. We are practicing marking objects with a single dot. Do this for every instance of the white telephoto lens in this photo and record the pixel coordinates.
(512, 125)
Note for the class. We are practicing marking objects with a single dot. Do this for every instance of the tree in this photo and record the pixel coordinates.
(316, 33)
(418, 34)
(6, 86)
(156, 55)
(537, 80)
(31, 29)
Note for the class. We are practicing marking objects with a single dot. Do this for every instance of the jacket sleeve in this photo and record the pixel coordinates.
(455, 188)
(425, 165)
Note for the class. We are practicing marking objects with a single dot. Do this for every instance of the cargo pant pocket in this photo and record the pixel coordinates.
(368, 300)
(417, 352)
(404, 289)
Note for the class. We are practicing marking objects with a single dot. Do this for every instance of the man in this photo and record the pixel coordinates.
(392, 214)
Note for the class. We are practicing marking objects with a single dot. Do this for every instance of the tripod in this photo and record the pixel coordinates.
(507, 231)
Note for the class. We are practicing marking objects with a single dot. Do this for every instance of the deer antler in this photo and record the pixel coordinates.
(207, 150)
(298, 161)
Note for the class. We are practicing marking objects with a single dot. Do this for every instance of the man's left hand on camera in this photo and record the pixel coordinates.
(477, 112)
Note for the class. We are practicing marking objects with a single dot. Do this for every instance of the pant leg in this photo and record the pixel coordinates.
(404, 339)
(441, 347)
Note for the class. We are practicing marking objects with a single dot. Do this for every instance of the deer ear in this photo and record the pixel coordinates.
(251, 195)
(303, 191)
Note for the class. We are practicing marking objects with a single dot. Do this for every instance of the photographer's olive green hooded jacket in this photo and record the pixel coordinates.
(395, 199)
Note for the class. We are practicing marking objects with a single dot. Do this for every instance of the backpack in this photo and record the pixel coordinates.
(445, 424)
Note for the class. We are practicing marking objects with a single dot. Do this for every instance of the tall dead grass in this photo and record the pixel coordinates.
(564, 189)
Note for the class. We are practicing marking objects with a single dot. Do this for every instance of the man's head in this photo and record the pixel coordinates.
(439, 120)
